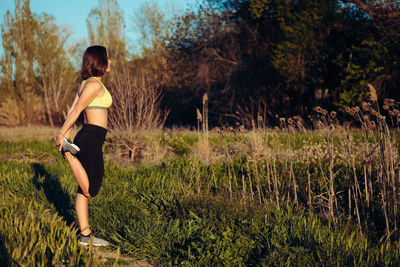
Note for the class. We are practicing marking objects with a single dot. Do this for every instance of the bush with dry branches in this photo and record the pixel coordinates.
(135, 110)
(136, 101)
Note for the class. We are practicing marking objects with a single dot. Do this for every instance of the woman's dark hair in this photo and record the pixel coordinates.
(94, 62)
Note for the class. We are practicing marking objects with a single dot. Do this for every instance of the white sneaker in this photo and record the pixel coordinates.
(69, 147)
(97, 242)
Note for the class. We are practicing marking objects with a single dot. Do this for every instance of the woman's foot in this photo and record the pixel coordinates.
(69, 147)
(85, 240)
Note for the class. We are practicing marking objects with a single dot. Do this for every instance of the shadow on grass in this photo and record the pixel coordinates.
(54, 192)
(3, 253)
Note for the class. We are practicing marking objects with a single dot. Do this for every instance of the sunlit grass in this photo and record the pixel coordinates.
(238, 208)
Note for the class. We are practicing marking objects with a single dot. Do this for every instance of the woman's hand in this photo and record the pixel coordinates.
(59, 140)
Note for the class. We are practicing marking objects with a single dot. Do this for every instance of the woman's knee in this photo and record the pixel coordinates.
(84, 192)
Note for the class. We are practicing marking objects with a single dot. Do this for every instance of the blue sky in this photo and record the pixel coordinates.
(73, 13)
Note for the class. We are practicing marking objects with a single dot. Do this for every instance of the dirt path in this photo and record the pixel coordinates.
(108, 255)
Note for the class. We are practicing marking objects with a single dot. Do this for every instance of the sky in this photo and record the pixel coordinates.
(73, 13)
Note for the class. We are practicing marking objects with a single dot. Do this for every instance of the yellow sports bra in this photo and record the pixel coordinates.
(103, 101)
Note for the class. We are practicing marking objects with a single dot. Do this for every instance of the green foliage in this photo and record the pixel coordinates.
(300, 50)
(368, 66)
(257, 7)
(181, 144)
(301, 54)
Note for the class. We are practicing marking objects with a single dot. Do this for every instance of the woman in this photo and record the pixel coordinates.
(93, 99)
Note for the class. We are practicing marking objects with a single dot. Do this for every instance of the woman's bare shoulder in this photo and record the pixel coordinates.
(92, 84)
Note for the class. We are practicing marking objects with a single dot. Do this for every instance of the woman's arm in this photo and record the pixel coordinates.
(92, 90)
(81, 88)
(67, 134)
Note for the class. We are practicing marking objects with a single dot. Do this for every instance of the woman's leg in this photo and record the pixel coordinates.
(82, 212)
(79, 173)
(81, 203)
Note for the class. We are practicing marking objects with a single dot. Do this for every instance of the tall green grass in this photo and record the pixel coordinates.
(237, 212)
(37, 226)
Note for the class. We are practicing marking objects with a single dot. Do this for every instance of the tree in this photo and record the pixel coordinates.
(18, 43)
(275, 56)
(53, 68)
(203, 54)
(376, 58)
(153, 27)
(37, 68)
(106, 27)
(385, 13)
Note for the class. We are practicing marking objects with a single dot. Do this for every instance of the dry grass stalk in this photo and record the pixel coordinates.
(244, 188)
(269, 182)
(203, 144)
(275, 181)
(205, 114)
(250, 183)
(383, 174)
(230, 183)
(310, 206)
(199, 116)
(372, 93)
(291, 172)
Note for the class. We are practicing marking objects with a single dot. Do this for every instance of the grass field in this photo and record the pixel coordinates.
(251, 198)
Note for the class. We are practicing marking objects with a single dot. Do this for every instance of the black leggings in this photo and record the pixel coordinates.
(90, 140)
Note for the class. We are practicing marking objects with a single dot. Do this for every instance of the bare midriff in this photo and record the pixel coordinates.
(96, 117)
